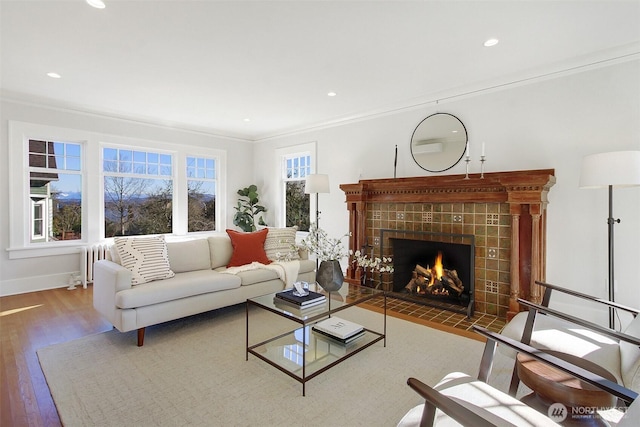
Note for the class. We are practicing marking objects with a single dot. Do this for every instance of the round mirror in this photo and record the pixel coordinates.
(439, 142)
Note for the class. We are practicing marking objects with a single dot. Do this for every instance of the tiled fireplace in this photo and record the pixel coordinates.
(503, 214)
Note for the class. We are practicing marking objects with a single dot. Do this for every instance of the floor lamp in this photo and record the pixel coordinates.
(316, 184)
(613, 169)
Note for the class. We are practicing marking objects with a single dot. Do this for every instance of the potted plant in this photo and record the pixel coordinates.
(248, 208)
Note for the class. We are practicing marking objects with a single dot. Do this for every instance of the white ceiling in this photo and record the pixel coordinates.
(208, 65)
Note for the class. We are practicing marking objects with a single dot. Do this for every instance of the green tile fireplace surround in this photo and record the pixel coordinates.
(505, 212)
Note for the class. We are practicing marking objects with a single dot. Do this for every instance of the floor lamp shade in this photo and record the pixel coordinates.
(316, 183)
(617, 168)
(613, 169)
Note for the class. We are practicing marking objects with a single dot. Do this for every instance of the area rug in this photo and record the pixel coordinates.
(193, 372)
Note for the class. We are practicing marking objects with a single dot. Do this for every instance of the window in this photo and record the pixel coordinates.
(55, 190)
(295, 170)
(201, 193)
(138, 192)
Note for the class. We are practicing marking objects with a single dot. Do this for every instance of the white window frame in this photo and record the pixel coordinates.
(145, 149)
(42, 204)
(281, 154)
(215, 180)
(20, 206)
(20, 203)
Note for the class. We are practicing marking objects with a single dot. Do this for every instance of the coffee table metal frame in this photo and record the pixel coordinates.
(322, 360)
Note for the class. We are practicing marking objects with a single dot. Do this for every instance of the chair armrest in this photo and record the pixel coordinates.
(582, 374)
(434, 399)
(612, 304)
(581, 322)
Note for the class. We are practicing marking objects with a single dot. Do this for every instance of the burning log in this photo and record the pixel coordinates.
(452, 282)
(425, 280)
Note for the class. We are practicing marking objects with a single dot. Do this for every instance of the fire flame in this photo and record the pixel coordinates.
(438, 268)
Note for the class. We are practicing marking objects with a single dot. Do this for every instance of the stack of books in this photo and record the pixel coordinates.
(301, 302)
(343, 331)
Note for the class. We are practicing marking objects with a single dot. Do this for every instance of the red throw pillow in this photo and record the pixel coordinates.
(248, 247)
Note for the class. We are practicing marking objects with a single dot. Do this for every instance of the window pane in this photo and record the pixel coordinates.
(201, 194)
(110, 154)
(73, 150)
(201, 205)
(55, 196)
(139, 156)
(137, 206)
(73, 164)
(297, 206)
(124, 155)
(66, 194)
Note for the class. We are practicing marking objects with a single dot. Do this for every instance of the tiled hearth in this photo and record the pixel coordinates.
(438, 318)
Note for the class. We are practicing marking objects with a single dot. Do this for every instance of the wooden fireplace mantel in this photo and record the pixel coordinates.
(524, 191)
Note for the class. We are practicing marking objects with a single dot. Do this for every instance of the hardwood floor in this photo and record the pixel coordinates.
(35, 320)
(29, 322)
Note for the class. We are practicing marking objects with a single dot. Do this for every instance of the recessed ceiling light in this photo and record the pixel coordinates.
(331, 94)
(491, 42)
(98, 4)
(54, 75)
(246, 120)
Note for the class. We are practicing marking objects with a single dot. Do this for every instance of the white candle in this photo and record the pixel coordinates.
(467, 152)
(483, 148)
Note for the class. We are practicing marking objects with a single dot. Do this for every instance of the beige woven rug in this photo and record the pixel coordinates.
(193, 372)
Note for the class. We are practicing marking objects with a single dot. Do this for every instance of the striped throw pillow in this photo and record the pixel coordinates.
(146, 257)
(280, 244)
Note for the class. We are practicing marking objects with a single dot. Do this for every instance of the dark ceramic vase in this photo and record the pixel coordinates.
(329, 275)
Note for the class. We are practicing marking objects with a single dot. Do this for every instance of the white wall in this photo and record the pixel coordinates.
(550, 123)
(26, 275)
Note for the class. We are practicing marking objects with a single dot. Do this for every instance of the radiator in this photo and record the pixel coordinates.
(89, 255)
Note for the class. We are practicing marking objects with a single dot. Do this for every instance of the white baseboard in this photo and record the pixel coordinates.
(34, 283)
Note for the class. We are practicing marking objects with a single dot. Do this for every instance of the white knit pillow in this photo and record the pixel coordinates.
(146, 257)
(280, 244)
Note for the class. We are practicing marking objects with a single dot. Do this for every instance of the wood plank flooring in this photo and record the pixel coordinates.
(29, 322)
(35, 320)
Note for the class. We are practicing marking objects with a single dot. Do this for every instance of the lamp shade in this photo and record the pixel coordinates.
(616, 168)
(317, 183)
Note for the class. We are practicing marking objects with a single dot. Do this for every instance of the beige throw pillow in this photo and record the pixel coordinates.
(146, 257)
(280, 244)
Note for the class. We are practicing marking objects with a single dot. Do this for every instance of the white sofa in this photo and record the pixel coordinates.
(201, 283)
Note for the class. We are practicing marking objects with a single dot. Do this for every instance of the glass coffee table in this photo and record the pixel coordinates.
(301, 353)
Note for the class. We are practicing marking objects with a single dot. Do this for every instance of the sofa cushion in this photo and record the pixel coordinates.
(248, 247)
(146, 258)
(189, 255)
(220, 250)
(281, 244)
(181, 286)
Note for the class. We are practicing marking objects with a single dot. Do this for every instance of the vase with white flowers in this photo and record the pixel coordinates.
(329, 251)
(380, 267)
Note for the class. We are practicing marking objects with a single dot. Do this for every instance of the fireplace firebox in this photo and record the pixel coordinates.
(434, 269)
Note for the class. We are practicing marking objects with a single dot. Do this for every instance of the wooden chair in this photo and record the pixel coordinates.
(546, 328)
(469, 402)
